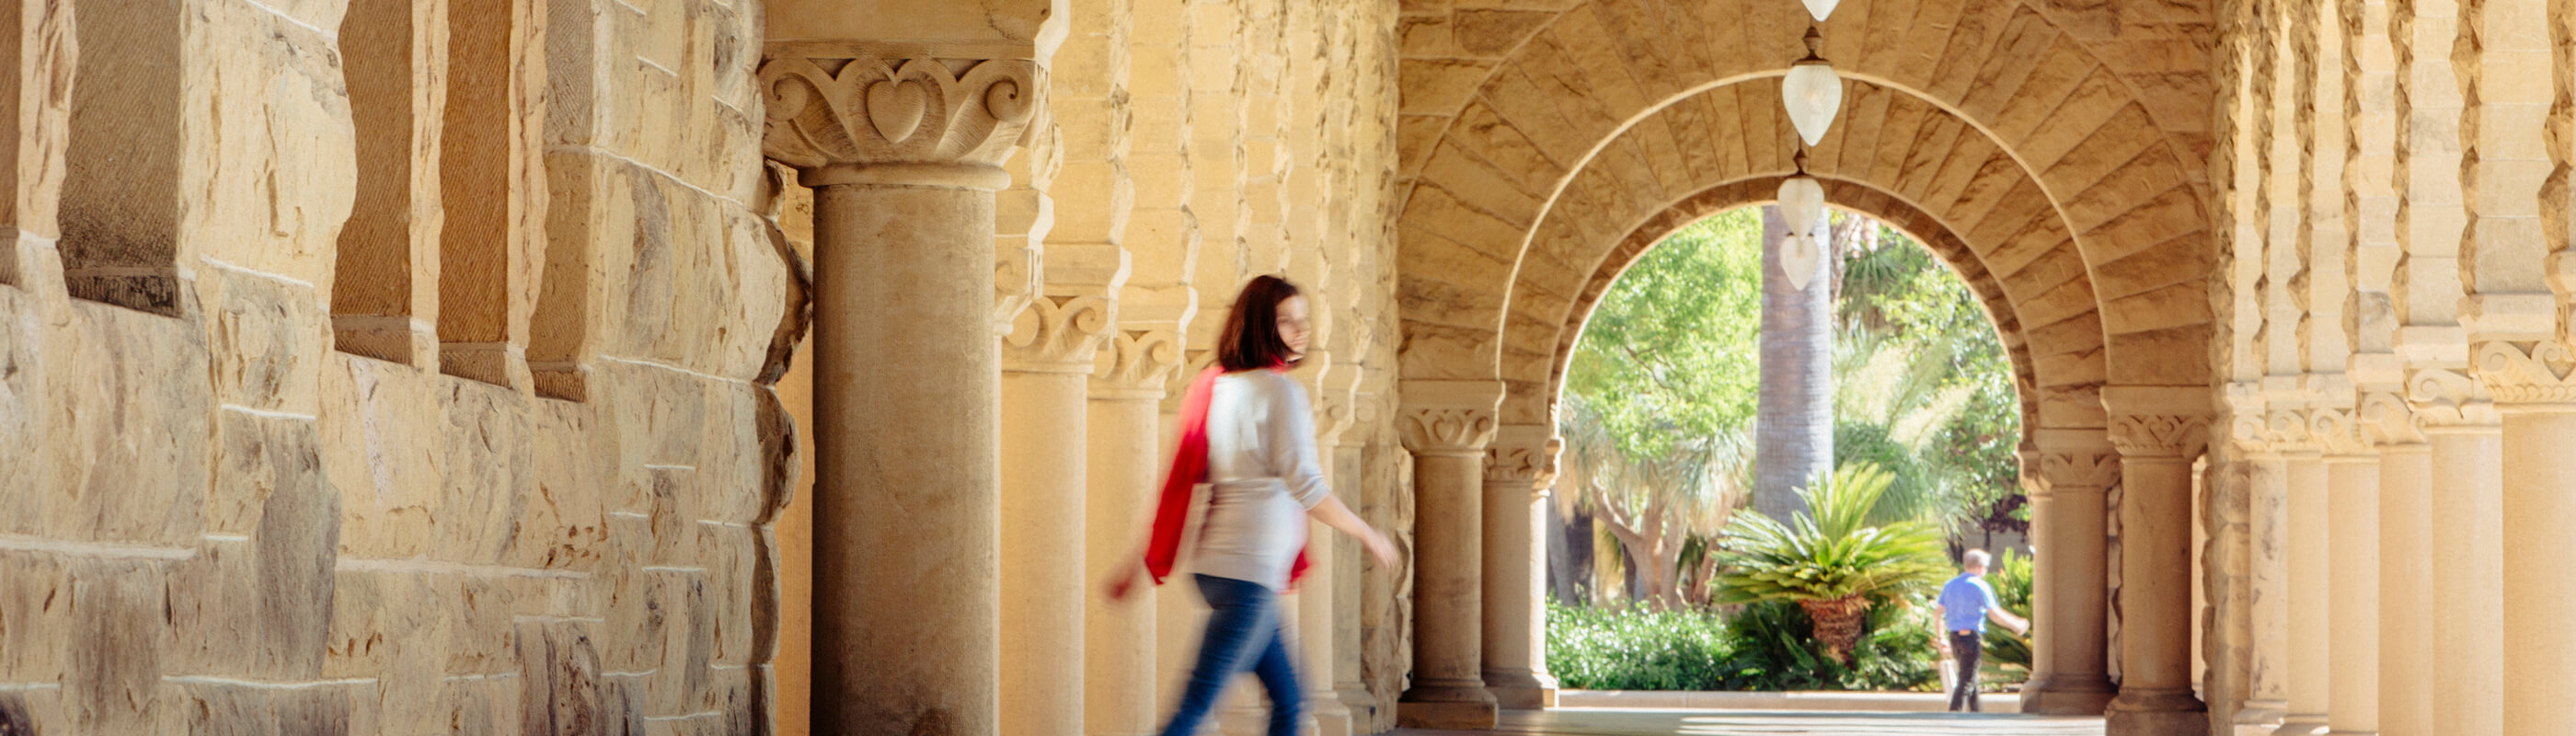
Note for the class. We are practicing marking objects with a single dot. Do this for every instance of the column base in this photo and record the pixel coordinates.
(2259, 717)
(1358, 702)
(2069, 696)
(1521, 689)
(2352, 733)
(1332, 718)
(2301, 724)
(1446, 704)
(2156, 713)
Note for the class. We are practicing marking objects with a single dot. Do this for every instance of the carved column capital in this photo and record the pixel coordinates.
(859, 112)
(2159, 435)
(2289, 431)
(2388, 422)
(2446, 399)
(1059, 334)
(2527, 372)
(1523, 454)
(2091, 467)
(1140, 363)
(1449, 418)
(2337, 433)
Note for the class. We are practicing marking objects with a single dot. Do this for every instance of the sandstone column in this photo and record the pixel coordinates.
(1046, 361)
(2352, 621)
(1318, 595)
(1122, 475)
(2261, 494)
(2529, 382)
(2075, 467)
(1446, 424)
(1350, 472)
(1522, 460)
(2467, 441)
(2309, 578)
(2407, 657)
(906, 620)
(2158, 431)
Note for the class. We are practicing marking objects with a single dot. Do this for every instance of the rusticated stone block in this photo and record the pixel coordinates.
(227, 709)
(112, 679)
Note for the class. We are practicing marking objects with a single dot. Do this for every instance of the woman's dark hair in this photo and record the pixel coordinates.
(1251, 339)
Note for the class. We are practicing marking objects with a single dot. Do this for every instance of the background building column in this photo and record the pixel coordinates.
(2407, 656)
(2074, 467)
(1319, 594)
(1122, 474)
(2532, 390)
(1522, 460)
(1046, 364)
(2159, 432)
(2352, 621)
(2250, 552)
(1350, 475)
(2467, 438)
(2309, 578)
(906, 568)
(1446, 425)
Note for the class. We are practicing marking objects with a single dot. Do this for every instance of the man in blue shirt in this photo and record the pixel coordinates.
(1965, 604)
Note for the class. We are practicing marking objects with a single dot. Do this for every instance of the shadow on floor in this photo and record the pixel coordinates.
(1645, 722)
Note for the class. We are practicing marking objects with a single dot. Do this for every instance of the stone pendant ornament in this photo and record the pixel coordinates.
(1820, 8)
(1798, 258)
(1802, 205)
(1812, 92)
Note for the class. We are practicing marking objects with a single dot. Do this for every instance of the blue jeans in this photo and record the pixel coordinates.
(1242, 633)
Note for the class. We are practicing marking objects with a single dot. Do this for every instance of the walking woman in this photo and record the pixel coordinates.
(1249, 436)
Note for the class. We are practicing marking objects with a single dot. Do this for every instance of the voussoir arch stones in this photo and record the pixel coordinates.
(2069, 191)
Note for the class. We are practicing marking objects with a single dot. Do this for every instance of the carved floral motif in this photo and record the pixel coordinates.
(2149, 435)
(857, 107)
(1141, 362)
(2080, 468)
(2449, 398)
(2387, 420)
(1059, 334)
(2336, 432)
(1447, 430)
(2526, 373)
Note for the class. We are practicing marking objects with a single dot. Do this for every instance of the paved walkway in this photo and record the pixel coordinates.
(1641, 722)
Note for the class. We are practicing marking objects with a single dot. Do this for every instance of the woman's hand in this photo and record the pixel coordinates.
(1124, 583)
(1379, 547)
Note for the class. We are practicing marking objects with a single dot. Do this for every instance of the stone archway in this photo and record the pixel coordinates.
(2003, 136)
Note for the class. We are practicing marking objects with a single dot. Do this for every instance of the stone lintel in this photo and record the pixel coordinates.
(2509, 317)
(2421, 345)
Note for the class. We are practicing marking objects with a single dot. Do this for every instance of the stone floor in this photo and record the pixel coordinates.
(1640, 722)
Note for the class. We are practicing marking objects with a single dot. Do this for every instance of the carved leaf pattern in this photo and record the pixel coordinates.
(1447, 430)
(2527, 372)
(2158, 434)
(878, 110)
(1059, 333)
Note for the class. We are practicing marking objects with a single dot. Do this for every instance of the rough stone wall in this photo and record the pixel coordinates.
(215, 522)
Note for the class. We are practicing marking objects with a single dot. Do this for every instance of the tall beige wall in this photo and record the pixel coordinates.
(218, 521)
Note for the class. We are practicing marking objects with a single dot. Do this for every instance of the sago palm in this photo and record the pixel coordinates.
(1831, 560)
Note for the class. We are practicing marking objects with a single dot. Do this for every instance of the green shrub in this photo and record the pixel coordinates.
(1774, 651)
(2007, 655)
(1605, 649)
(1765, 646)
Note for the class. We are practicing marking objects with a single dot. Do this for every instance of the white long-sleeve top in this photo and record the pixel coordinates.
(1263, 475)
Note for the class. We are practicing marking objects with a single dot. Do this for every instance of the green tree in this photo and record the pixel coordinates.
(1662, 358)
(1893, 289)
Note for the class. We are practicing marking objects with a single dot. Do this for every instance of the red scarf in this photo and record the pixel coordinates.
(1189, 469)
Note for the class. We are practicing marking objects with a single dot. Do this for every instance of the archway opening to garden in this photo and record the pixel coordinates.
(1770, 462)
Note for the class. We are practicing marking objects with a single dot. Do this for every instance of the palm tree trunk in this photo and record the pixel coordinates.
(1794, 417)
